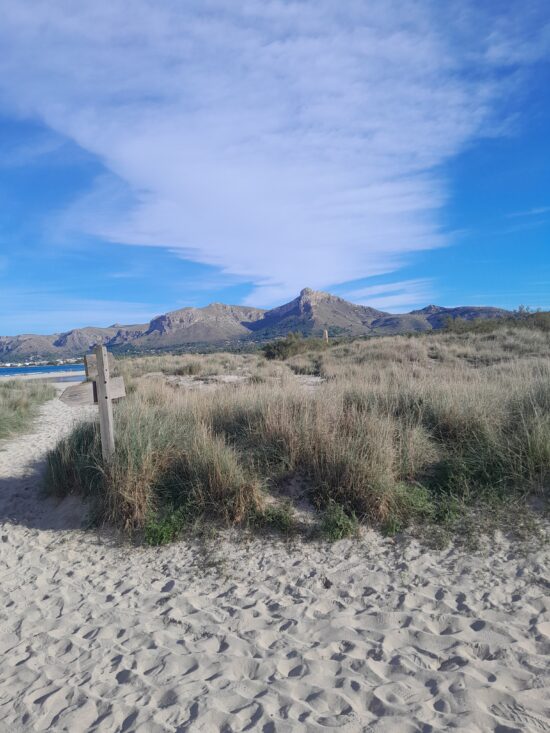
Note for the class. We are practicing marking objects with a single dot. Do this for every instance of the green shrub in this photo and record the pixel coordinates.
(278, 517)
(337, 524)
(293, 344)
(165, 527)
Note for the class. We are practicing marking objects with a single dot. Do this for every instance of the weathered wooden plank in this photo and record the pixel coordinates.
(90, 363)
(86, 393)
(103, 383)
(78, 394)
(118, 389)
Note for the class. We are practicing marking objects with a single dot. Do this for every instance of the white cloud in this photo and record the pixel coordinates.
(396, 297)
(284, 142)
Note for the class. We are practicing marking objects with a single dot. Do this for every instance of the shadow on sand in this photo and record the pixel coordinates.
(23, 502)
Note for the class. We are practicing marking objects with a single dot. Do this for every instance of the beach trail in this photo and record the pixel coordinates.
(238, 633)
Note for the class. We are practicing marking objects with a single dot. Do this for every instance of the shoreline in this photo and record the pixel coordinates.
(48, 376)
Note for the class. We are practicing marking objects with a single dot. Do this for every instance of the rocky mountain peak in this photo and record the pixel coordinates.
(430, 309)
(315, 295)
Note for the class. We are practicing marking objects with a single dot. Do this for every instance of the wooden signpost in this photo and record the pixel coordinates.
(102, 391)
(90, 363)
(105, 404)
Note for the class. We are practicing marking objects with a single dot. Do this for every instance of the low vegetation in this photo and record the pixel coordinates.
(397, 431)
(187, 364)
(279, 518)
(336, 523)
(293, 344)
(523, 318)
(19, 403)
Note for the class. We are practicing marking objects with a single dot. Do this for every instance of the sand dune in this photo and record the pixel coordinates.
(248, 634)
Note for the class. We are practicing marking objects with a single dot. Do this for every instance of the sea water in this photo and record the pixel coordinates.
(77, 370)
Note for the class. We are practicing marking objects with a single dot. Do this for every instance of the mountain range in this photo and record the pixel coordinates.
(219, 325)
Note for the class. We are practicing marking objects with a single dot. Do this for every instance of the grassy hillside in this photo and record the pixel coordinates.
(19, 403)
(390, 431)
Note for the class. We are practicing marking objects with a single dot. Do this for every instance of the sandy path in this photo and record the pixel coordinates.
(258, 635)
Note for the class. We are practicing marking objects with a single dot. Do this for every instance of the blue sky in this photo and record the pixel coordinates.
(394, 153)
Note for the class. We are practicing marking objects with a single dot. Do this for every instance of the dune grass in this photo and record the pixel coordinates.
(401, 430)
(19, 403)
(187, 364)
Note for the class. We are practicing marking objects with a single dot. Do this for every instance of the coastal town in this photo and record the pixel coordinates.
(38, 361)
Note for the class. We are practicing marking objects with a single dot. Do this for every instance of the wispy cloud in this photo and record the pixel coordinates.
(537, 211)
(395, 297)
(29, 152)
(283, 142)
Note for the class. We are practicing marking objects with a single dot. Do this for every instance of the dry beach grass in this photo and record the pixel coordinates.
(391, 431)
(19, 403)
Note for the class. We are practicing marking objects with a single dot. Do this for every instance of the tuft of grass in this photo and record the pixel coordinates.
(277, 517)
(19, 404)
(165, 459)
(189, 369)
(165, 527)
(336, 523)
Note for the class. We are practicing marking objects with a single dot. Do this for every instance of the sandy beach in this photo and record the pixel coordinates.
(253, 634)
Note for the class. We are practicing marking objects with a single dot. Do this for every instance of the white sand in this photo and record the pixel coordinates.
(233, 635)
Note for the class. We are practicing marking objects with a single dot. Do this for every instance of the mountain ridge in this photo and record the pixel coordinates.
(310, 313)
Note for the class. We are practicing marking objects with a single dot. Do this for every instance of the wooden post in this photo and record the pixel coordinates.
(105, 404)
(325, 335)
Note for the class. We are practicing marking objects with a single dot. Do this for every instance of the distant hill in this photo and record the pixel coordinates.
(218, 324)
(215, 322)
